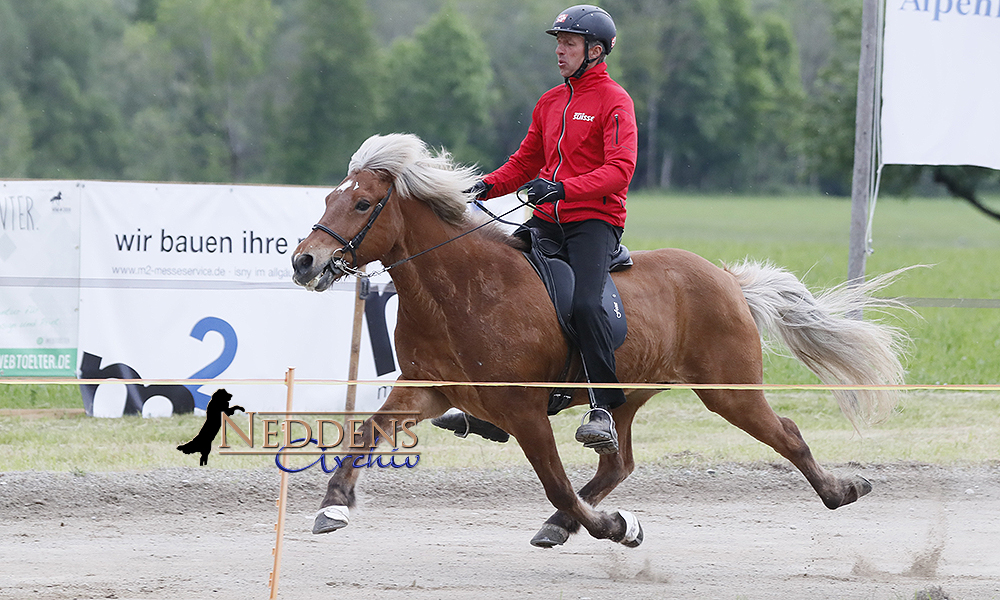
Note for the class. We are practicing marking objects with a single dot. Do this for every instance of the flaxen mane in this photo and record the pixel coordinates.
(432, 177)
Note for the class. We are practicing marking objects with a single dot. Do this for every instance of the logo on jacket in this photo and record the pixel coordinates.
(583, 117)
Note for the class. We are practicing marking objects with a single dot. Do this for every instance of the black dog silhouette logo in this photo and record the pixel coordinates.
(202, 443)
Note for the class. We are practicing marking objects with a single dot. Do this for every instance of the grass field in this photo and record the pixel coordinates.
(808, 236)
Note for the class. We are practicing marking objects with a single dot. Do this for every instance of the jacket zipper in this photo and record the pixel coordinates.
(616, 129)
(562, 132)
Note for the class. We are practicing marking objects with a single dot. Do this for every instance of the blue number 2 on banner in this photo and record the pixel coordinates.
(220, 364)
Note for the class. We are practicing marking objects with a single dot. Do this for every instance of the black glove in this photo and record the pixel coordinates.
(480, 190)
(541, 191)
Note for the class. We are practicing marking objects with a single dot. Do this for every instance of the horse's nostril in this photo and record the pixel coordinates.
(302, 263)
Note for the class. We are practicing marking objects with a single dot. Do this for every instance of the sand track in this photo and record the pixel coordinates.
(734, 531)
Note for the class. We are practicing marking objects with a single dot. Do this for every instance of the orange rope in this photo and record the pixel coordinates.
(524, 384)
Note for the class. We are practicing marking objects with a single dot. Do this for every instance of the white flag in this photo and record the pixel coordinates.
(941, 83)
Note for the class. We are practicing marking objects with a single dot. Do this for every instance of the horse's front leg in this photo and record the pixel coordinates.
(402, 404)
(612, 469)
(534, 435)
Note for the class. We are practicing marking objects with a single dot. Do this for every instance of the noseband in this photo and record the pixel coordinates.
(352, 246)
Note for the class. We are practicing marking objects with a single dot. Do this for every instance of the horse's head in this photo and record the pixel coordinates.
(385, 166)
(335, 248)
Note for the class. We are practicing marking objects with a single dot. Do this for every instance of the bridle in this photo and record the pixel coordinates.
(352, 246)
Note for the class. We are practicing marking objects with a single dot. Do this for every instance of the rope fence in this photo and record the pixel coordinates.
(414, 383)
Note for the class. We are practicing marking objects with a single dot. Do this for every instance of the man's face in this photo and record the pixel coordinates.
(569, 51)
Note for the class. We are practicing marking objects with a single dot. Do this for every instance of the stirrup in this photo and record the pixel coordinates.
(465, 424)
(464, 434)
(601, 445)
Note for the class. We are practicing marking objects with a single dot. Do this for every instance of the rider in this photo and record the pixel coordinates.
(575, 164)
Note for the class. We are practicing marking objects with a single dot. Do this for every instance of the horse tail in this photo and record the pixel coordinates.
(821, 332)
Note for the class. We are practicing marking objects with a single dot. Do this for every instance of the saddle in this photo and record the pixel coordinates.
(559, 281)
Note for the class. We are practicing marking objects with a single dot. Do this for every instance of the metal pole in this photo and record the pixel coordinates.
(863, 132)
(352, 368)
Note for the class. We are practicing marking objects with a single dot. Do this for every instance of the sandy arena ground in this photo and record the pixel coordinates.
(732, 532)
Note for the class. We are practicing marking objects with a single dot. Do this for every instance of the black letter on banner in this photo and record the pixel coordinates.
(136, 396)
(378, 331)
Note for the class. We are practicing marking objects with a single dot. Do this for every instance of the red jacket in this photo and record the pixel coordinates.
(582, 133)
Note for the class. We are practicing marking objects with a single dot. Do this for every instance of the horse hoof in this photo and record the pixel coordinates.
(854, 488)
(330, 518)
(862, 486)
(550, 535)
(633, 530)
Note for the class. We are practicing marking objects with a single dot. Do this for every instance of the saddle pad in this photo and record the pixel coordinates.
(559, 281)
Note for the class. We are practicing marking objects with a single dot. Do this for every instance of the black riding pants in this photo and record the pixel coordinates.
(588, 246)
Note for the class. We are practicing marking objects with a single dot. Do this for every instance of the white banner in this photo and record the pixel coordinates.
(39, 239)
(941, 83)
(171, 287)
(119, 280)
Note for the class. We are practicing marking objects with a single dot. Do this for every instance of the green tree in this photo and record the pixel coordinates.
(779, 158)
(144, 84)
(55, 119)
(440, 85)
(524, 67)
(684, 81)
(713, 85)
(766, 88)
(334, 99)
(188, 76)
(15, 131)
(645, 74)
(219, 50)
(145, 10)
(830, 109)
(15, 136)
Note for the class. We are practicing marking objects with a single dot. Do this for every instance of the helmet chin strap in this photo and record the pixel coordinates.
(586, 61)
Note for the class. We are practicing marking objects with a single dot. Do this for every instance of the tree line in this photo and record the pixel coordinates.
(739, 95)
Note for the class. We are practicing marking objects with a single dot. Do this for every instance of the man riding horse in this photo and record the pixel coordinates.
(575, 163)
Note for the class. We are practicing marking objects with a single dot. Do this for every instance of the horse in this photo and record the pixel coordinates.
(472, 309)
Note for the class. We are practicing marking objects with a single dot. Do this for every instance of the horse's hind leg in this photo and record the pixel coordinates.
(749, 410)
(333, 513)
(612, 469)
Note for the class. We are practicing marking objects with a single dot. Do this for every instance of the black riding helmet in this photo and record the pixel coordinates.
(593, 23)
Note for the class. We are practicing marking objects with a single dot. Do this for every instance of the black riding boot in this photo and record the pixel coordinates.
(463, 424)
(599, 432)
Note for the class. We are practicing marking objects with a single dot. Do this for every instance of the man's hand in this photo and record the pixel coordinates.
(541, 191)
(479, 190)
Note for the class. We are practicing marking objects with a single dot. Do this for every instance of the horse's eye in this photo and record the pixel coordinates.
(362, 205)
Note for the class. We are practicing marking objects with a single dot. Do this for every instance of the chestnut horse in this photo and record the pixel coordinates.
(472, 309)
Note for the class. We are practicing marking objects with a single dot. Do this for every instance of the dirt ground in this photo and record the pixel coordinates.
(730, 532)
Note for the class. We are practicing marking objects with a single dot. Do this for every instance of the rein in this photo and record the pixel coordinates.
(352, 245)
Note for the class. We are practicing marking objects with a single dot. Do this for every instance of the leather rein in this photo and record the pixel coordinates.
(352, 245)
